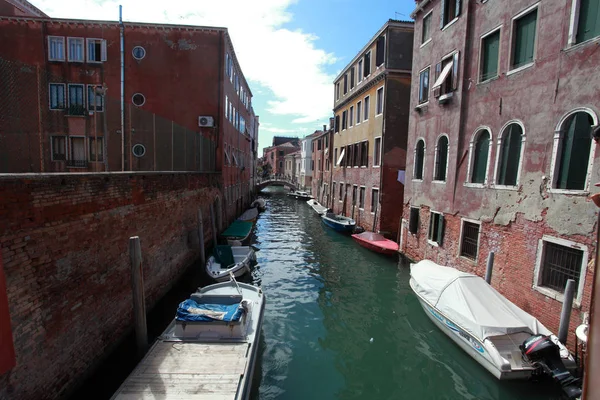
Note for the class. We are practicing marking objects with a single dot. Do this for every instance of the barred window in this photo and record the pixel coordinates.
(469, 245)
(560, 263)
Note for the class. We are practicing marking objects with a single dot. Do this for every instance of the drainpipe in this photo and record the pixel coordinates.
(122, 48)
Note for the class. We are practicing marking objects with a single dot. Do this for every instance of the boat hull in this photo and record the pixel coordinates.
(342, 228)
(374, 247)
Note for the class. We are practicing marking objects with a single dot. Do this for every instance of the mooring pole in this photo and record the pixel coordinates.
(565, 314)
(201, 238)
(489, 268)
(137, 288)
(214, 224)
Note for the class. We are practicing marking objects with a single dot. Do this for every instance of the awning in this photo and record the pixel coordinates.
(443, 75)
(341, 157)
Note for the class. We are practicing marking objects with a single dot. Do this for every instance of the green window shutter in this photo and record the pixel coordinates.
(482, 146)
(510, 155)
(440, 230)
(431, 233)
(525, 39)
(589, 20)
(575, 152)
(489, 67)
(442, 11)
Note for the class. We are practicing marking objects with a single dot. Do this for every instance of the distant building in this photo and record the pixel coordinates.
(501, 159)
(292, 162)
(275, 155)
(321, 163)
(306, 163)
(371, 106)
(278, 140)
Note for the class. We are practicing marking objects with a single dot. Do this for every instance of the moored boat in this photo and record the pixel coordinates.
(319, 209)
(249, 215)
(238, 230)
(376, 242)
(505, 340)
(338, 222)
(300, 195)
(229, 259)
(259, 203)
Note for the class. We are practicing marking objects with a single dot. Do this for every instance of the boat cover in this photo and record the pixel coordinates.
(238, 229)
(224, 256)
(377, 240)
(469, 301)
(249, 214)
(190, 310)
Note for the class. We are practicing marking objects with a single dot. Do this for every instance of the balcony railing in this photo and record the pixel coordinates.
(78, 110)
(77, 163)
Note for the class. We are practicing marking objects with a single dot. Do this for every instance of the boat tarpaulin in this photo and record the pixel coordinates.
(239, 229)
(189, 310)
(471, 302)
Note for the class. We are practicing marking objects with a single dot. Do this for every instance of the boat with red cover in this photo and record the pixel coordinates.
(376, 242)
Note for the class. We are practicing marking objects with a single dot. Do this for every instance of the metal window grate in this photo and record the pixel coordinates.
(560, 263)
(470, 240)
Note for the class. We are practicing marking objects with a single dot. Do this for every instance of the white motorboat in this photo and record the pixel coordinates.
(259, 203)
(505, 340)
(319, 209)
(300, 195)
(230, 259)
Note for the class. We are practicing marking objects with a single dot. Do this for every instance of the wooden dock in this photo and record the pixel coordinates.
(187, 371)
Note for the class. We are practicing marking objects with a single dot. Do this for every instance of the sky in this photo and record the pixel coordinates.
(289, 50)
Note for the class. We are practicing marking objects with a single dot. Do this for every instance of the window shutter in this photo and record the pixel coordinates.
(457, 8)
(431, 234)
(455, 71)
(589, 20)
(440, 231)
(103, 46)
(413, 223)
(442, 11)
(438, 71)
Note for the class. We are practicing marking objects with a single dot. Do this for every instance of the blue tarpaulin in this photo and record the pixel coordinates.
(189, 310)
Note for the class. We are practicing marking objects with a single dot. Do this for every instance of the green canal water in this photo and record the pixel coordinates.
(341, 322)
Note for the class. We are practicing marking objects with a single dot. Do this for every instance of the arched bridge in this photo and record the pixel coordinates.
(276, 181)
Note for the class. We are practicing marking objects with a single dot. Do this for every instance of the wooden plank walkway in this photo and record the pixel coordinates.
(187, 371)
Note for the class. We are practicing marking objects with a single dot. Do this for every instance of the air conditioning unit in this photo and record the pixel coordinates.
(206, 121)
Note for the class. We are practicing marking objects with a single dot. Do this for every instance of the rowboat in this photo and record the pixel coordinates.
(319, 209)
(376, 242)
(249, 215)
(238, 230)
(259, 203)
(505, 340)
(208, 351)
(338, 222)
(229, 259)
(300, 195)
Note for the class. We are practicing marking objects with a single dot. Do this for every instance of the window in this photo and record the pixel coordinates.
(344, 120)
(345, 83)
(312, 165)
(380, 49)
(377, 152)
(419, 159)
(356, 155)
(351, 78)
(469, 244)
(76, 100)
(361, 198)
(335, 157)
(354, 190)
(480, 149)
(95, 99)
(524, 39)
(280, 164)
(57, 96)
(573, 145)
(319, 144)
(341, 194)
(426, 28)
(349, 156)
(360, 70)
(337, 123)
(59, 148)
(509, 150)
(96, 49)
(424, 86)
(441, 159)
(337, 91)
(446, 73)
(364, 154)
(77, 152)
(413, 220)
(366, 115)
(358, 112)
(379, 102)
(139, 52)
(588, 24)
(490, 46)
(96, 149)
(374, 199)
(56, 48)
(139, 99)
(351, 116)
(436, 228)
(226, 107)
(333, 191)
(75, 49)
(340, 161)
(367, 64)
(280, 153)
(450, 10)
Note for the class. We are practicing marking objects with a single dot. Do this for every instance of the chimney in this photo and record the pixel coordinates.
(331, 122)
(324, 128)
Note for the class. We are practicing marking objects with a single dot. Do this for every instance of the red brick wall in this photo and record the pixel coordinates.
(64, 243)
(7, 351)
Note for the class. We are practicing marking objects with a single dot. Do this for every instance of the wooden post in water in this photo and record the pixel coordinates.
(565, 314)
(489, 268)
(201, 238)
(213, 222)
(137, 288)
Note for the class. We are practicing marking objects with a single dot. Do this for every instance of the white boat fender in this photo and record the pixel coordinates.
(371, 341)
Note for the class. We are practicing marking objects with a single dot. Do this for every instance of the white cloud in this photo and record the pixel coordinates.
(276, 130)
(286, 62)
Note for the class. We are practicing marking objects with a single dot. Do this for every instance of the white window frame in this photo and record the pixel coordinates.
(384, 51)
(435, 154)
(62, 39)
(337, 91)
(359, 69)
(85, 148)
(370, 53)
(89, 141)
(364, 200)
(367, 110)
(375, 149)
(87, 93)
(423, 43)
(65, 104)
(377, 100)
(510, 69)
(480, 62)
(574, 27)
(378, 197)
(351, 116)
(537, 274)
(342, 121)
(359, 110)
(103, 50)
(554, 166)
(68, 94)
(499, 151)
(79, 39)
(425, 103)
(52, 147)
(460, 238)
(433, 242)
(420, 138)
(470, 165)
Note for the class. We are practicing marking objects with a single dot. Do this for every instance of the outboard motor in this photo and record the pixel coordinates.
(540, 351)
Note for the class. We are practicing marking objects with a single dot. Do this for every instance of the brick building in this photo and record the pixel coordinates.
(501, 159)
(292, 166)
(321, 160)
(306, 163)
(275, 154)
(371, 108)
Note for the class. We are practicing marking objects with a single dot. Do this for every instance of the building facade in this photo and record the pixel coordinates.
(321, 163)
(371, 107)
(306, 163)
(501, 159)
(275, 154)
(292, 162)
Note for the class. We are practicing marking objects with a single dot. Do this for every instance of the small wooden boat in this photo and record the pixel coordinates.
(338, 222)
(259, 203)
(230, 259)
(209, 350)
(376, 242)
(238, 230)
(249, 215)
(319, 209)
(505, 340)
(300, 195)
